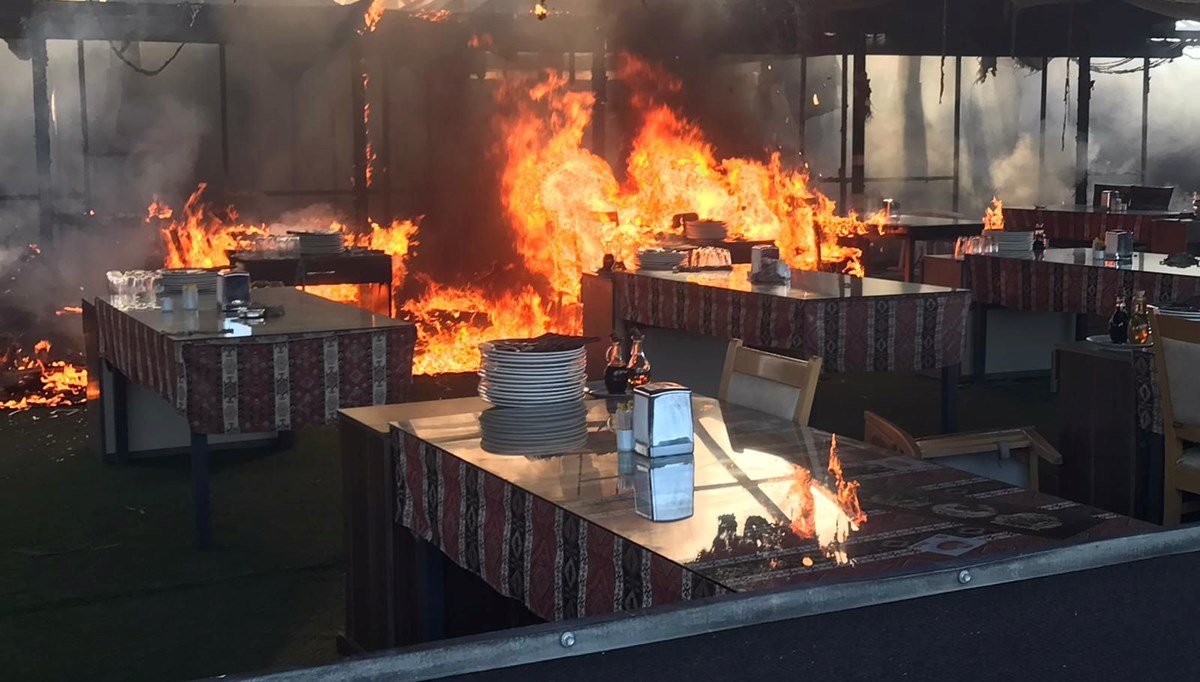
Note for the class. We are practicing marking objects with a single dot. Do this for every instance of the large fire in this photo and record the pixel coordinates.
(567, 210)
(59, 383)
(993, 216)
(828, 513)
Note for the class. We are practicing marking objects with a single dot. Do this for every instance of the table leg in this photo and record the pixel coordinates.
(432, 577)
(200, 493)
(909, 248)
(978, 343)
(120, 402)
(950, 375)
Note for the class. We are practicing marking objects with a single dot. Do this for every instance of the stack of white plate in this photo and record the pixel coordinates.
(172, 281)
(714, 230)
(537, 430)
(1186, 312)
(660, 259)
(321, 243)
(522, 378)
(1009, 242)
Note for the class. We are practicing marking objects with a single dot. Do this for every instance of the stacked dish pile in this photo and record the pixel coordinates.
(660, 259)
(520, 373)
(534, 430)
(173, 280)
(706, 230)
(321, 243)
(1011, 242)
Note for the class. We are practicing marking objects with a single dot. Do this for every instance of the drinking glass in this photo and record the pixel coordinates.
(114, 278)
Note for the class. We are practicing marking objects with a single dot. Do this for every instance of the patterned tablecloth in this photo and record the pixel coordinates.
(851, 333)
(271, 382)
(561, 535)
(1066, 287)
(1160, 235)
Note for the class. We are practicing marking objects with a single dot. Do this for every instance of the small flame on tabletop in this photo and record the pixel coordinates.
(540, 11)
(828, 513)
(483, 40)
(432, 16)
(61, 383)
(68, 310)
(993, 216)
(816, 100)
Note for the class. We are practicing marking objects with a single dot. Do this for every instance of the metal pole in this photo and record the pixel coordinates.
(845, 129)
(41, 134)
(957, 134)
(803, 123)
(1145, 114)
(858, 142)
(358, 99)
(83, 125)
(1081, 130)
(571, 68)
(600, 90)
(1042, 128)
(223, 84)
(384, 154)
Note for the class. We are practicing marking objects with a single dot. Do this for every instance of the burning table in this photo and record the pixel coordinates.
(776, 506)
(228, 379)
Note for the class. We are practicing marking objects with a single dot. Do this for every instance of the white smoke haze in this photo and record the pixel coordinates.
(1014, 176)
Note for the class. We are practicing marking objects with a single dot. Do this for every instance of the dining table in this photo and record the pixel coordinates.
(912, 230)
(574, 535)
(854, 324)
(202, 374)
(1076, 225)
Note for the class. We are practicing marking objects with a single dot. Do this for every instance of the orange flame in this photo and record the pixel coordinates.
(483, 40)
(432, 16)
(567, 210)
(373, 15)
(993, 216)
(68, 310)
(62, 383)
(540, 11)
(829, 515)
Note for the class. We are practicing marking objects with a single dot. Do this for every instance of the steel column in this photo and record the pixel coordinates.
(858, 142)
(358, 99)
(1145, 114)
(600, 91)
(954, 193)
(845, 130)
(1082, 120)
(41, 134)
(83, 125)
(803, 123)
(1042, 129)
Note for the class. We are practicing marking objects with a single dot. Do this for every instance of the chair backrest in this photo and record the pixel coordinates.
(1140, 197)
(1177, 360)
(770, 383)
(882, 433)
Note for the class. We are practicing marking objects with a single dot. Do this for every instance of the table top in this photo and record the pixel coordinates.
(1141, 261)
(303, 314)
(1087, 208)
(805, 285)
(746, 472)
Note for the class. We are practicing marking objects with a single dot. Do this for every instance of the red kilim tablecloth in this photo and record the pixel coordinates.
(556, 563)
(257, 384)
(1042, 286)
(853, 334)
(1162, 236)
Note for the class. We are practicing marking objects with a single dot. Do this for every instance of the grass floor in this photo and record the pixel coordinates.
(99, 579)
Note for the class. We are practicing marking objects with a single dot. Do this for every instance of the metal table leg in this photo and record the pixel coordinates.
(120, 402)
(200, 493)
(950, 375)
(909, 247)
(978, 342)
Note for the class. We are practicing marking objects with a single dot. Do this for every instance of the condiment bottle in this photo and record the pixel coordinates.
(616, 374)
(639, 366)
(1118, 324)
(1139, 320)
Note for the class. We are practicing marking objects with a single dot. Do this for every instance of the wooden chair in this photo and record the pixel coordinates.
(1177, 347)
(974, 452)
(770, 383)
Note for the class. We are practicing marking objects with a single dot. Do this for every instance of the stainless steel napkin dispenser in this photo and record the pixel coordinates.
(664, 487)
(1118, 245)
(662, 419)
(233, 287)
